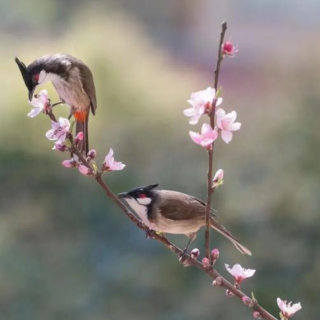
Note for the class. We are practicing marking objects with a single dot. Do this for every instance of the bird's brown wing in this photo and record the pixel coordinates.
(179, 206)
(88, 84)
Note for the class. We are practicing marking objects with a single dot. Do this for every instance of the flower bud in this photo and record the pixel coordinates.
(69, 163)
(60, 147)
(85, 170)
(218, 176)
(228, 49)
(247, 301)
(217, 282)
(257, 315)
(215, 254)
(79, 136)
(206, 262)
(195, 253)
(92, 154)
(229, 293)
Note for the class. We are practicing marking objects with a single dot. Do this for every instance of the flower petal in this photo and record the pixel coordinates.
(226, 136)
(190, 112)
(34, 112)
(195, 137)
(235, 126)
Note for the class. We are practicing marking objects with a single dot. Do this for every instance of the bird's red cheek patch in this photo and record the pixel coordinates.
(80, 116)
(142, 195)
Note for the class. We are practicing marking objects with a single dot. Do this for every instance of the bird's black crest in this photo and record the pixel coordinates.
(144, 188)
(24, 72)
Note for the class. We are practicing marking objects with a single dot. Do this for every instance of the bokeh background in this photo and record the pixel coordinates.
(66, 252)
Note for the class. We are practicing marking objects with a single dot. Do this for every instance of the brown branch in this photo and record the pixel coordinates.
(210, 190)
(188, 260)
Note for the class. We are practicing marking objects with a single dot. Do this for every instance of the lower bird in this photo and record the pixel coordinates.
(73, 82)
(174, 212)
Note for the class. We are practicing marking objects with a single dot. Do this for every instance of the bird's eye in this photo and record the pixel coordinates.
(36, 78)
(142, 195)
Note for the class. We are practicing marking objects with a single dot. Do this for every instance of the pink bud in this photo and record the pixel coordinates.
(60, 147)
(85, 170)
(217, 282)
(206, 262)
(92, 154)
(247, 301)
(215, 254)
(218, 176)
(69, 163)
(229, 49)
(257, 315)
(79, 136)
(195, 253)
(229, 293)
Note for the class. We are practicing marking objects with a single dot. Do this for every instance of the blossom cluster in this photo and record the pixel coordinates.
(202, 102)
(61, 134)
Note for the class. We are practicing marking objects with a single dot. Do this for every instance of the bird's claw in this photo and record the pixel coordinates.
(150, 234)
(183, 259)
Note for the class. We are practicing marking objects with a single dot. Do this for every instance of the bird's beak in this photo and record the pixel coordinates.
(31, 93)
(123, 195)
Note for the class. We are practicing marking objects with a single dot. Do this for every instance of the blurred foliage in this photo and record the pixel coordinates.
(66, 252)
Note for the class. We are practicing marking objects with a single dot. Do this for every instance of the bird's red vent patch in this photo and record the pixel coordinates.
(80, 116)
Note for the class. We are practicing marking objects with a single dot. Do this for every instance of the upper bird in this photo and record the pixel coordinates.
(174, 212)
(73, 82)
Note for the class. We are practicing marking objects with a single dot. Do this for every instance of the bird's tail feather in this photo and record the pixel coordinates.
(82, 126)
(222, 230)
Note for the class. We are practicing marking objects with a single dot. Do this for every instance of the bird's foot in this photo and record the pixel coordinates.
(150, 234)
(183, 258)
(56, 104)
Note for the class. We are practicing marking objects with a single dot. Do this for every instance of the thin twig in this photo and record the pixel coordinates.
(211, 148)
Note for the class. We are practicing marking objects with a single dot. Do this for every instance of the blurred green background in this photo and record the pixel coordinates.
(66, 252)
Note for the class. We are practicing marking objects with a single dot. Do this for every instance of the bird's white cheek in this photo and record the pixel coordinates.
(144, 201)
(139, 209)
(42, 76)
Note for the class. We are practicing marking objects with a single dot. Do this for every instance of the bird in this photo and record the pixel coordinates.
(73, 81)
(168, 211)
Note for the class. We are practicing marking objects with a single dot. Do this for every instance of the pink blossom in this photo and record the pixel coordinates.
(39, 102)
(59, 130)
(110, 164)
(201, 103)
(217, 282)
(92, 154)
(79, 136)
(239, 273)
(257, 315)
(85, 170)
(247, 301)
(218, 176)
(60, 147)
(226, 123)
(215, 254)
(206, 262)
(195, 253)
(69, 163)
(207, 136)
(287, 309)
(228, 49)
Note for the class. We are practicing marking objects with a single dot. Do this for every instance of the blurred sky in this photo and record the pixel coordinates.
(66, 252)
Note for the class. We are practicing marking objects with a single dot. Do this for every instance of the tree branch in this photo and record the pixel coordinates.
(210, 190)
(188, 260)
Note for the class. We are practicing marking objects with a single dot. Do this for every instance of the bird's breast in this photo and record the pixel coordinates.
(71, 91)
